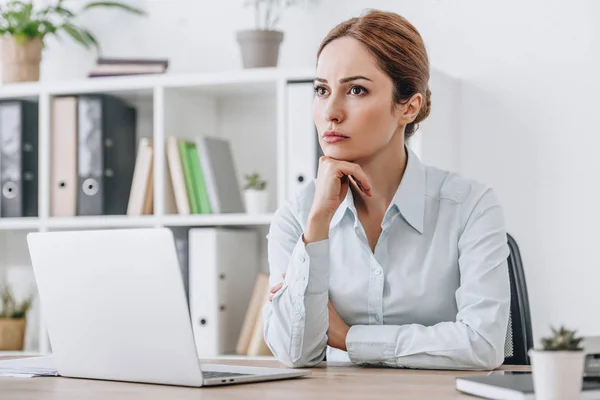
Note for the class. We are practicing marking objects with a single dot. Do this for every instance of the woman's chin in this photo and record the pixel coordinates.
(340, 153)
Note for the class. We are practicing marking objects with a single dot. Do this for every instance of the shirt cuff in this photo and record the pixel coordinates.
(371, 343)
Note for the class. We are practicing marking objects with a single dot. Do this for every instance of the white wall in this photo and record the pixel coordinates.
(530, 123)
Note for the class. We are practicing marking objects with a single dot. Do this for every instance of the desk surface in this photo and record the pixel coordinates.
(333, 381)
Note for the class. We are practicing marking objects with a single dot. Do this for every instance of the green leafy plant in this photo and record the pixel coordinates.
(267, 13)
(23, 21)
(254, 181)
(10, 307)
(561, 339)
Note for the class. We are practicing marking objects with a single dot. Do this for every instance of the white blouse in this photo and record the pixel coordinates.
(435, 293)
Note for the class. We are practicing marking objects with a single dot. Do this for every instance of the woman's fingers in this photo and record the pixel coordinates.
(357, 174)
(276, 288)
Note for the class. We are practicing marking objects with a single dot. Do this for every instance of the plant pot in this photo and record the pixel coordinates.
(260, 48)
(557, 375)
(12, 333)
(21, 61)
(257, 201)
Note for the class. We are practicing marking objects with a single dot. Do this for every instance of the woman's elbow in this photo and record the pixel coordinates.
(299, 362)
(488, 357)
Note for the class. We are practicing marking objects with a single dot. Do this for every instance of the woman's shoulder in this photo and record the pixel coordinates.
(445, 185)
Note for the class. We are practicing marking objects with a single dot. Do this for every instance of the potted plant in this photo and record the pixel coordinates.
(260, 46)
(24, 26)
(13, 320)
(255, 194)
(558, 367)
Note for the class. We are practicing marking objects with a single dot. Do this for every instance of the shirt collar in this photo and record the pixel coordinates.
(409, 198)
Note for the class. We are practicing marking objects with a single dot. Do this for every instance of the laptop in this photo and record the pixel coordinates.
(115, 309)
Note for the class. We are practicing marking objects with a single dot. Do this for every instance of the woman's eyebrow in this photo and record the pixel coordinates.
(344, 80)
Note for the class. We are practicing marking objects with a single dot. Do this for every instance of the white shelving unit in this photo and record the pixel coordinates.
(245, 106)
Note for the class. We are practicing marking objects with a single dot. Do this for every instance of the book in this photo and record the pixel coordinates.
(257, 301)
(188, 177)
(124, 66)
(257, 345)
(198, 177)
(220, 175)
(141, 196)
(176, 174)
(132, 61)
(511, 385)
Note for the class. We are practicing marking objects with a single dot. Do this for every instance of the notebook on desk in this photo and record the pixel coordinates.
(513, 386)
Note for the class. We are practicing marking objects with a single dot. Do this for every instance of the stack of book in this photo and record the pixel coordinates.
(203, 176)
(123, 66)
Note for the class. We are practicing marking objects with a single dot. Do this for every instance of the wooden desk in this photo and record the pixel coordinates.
(330, 382)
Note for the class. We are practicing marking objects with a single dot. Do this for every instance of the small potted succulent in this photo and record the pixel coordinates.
(13, 320)
(255, 194)
(24, 26)
(558, 366)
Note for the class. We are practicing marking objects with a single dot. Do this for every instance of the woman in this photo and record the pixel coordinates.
(383, 260)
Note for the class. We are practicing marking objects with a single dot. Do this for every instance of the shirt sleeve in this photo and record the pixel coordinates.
(296, 321)
(476, 339)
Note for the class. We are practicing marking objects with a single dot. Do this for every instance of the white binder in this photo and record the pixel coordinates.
(302, 146)
(223, 265)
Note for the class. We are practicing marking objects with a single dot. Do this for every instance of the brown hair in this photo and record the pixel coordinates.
(400, 51)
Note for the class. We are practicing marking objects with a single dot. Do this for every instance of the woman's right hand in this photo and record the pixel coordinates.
(332, 185)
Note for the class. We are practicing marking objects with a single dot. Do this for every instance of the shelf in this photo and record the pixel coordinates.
(25, 223)
(216, 219)
(124, 221)
(100, 221)
(225, 82)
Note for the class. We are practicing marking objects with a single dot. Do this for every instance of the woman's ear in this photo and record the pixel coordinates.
(411, 109)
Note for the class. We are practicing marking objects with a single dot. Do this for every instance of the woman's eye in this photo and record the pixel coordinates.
(320, 90)
(358, 90)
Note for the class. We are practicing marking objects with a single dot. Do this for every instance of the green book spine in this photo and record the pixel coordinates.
(198, 174)
(188, 176)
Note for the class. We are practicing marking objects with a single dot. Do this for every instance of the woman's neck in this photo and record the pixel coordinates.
(384, 170)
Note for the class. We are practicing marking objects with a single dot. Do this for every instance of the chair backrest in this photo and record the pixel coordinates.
(518, 336)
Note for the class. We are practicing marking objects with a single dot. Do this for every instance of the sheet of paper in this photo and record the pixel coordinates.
(29, 367)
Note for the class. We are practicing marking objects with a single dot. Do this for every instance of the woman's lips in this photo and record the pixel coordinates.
(334, 137)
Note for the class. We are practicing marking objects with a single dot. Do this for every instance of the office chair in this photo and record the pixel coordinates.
(518, 336)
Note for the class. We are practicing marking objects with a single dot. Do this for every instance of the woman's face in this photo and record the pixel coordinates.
(352, 108)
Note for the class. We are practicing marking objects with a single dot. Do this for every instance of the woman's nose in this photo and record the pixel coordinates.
(334, 112)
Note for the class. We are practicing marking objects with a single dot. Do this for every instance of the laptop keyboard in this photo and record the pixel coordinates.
(215, 374)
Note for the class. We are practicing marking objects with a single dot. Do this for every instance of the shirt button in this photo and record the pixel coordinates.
(378, 271)
(298, 317)
(303, 258)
